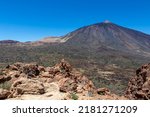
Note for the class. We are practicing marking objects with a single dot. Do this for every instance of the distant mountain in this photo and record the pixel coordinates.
(110, 35)
(105, 35)
(46, 40)
(9, 42)
(50, 40)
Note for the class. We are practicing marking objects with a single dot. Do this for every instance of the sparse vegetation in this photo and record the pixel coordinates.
(5, 85)
(101, 93)
(1, 73)
(80, 57)
(74, 96)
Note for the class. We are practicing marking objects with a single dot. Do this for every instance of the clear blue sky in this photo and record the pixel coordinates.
(28, 20)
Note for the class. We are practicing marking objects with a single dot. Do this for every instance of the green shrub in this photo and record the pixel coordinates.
(101, 93)
(5, 85)
(74, 96)
(1, 73)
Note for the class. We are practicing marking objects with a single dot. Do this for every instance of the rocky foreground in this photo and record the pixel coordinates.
(139, 86)
(62, 82)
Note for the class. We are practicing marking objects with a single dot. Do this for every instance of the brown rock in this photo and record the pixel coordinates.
(139, 86)
(64, 66)
(46, 75)
(14, 74)
(32, 80)
(27, 86)
(77, 84)
(58, 77)
(4, 93)
(31, 70)
(67, 85)
(15, 66)
(41, 69)
(4, 79)
(103, 91)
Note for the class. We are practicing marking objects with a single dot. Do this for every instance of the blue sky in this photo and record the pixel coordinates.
(29, 20)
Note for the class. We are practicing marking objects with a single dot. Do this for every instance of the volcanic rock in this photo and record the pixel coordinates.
(27, 86)
(4, 79)
(31, 70)
(103, 91)
(139, 86)
(4, 93)
(38, 82)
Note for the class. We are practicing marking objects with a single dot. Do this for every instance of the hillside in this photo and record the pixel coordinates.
(111, 36)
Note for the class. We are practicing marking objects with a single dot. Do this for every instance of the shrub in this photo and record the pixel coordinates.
(5, 85)
(101, 93)
(1, 73)
(74, 96)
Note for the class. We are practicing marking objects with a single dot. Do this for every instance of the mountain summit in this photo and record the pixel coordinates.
(110, 35)
(106, 21)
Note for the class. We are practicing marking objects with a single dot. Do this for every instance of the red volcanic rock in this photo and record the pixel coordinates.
(31, 79)
(139, 86)
(27, 86)
(73, 81)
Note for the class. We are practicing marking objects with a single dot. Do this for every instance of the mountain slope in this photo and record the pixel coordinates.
(50, 40)
(111, 36)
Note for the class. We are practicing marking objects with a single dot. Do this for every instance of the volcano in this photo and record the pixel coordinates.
(111, 36)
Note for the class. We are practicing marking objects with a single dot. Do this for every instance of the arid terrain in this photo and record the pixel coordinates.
(104, 56)
(30, 81)
(61, 82)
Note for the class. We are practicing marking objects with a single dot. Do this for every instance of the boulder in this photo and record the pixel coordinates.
(67, 85)
(46, 75)
(27, 86)
(77, 84)
(103, 91)
(4, 78)
(15, 66)
(41, 69)
(139, 86)
(63, 66)
(4, 93)
(31, 70)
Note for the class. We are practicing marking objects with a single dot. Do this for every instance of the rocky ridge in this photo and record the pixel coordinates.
(62, 82)
(9, 42)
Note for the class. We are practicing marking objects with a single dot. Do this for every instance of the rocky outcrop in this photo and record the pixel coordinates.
(30, 79)
(28, 70)
(72, 81)
(56, 82)
(26, 86)
(139, 86)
